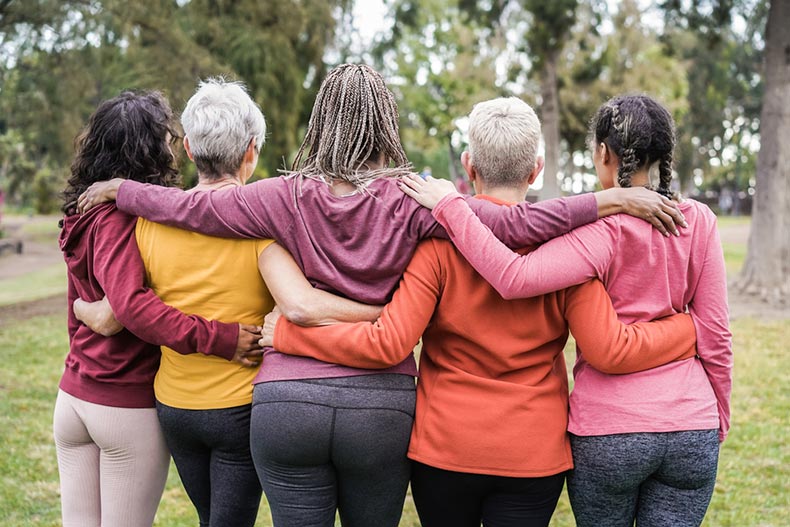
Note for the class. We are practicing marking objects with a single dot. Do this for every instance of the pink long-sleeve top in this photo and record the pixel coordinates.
(647, 276)
(357, 245)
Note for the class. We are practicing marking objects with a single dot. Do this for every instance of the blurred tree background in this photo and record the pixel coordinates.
(704, 59)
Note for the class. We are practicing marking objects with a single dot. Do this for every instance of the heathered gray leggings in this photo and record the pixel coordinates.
(326, 445)
(657, 479)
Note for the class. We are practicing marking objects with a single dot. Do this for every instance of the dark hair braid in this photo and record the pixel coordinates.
(640, 131)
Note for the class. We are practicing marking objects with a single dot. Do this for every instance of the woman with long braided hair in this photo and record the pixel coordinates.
(325, 437)
(645, 445)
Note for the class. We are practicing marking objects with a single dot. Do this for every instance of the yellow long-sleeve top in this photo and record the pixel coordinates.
(217, 279)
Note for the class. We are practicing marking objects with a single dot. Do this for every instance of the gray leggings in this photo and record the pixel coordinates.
(657, 479)
(326, 445)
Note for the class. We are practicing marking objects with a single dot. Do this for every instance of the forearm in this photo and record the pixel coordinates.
(325, 309)
(551, 267)
(387, 341)
(528, 224)
(120, 272)
(377, 345)
(616, 348)
(302, 303)
(230, 214)
(98, 316)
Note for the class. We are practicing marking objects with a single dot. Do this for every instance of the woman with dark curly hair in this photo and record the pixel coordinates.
(112, 457)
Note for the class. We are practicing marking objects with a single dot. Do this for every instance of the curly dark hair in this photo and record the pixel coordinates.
(126, 137)
(640, 131)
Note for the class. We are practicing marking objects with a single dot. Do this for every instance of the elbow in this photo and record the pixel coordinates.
(609, 366)
(507, 293)
(298, 314)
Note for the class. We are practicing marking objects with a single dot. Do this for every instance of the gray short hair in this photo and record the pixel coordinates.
(503, 140)
(219, 120)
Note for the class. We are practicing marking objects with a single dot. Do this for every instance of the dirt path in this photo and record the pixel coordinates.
(38, 251)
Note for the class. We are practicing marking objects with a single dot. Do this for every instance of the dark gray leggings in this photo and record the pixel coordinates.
(211, 450)
(326, 445)
(657, 479)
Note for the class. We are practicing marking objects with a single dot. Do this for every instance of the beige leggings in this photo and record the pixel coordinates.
(112, 461)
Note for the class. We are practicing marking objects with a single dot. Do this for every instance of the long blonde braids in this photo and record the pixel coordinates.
(354, 119)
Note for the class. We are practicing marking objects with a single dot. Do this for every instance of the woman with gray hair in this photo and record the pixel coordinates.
(204, 402)
(326, 437)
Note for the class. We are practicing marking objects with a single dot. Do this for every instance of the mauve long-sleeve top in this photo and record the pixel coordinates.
(356, 245)
(648, 276)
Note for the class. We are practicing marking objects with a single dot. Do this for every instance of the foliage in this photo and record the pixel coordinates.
(63, 58)
(439, 64)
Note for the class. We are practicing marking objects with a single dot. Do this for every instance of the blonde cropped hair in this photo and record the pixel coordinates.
(503, 140)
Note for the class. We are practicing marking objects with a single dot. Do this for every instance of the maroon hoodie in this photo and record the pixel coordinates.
(101, 254)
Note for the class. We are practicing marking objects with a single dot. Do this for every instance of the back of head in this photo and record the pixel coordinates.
(354, 120)
(503, 140)
(126, 137)
(641, 132)
(219, 121)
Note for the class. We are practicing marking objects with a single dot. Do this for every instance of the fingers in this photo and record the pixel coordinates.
(249, 328)
(257, 353)
(663, 222)
(671, 209)
(409, 191)
(247, 362)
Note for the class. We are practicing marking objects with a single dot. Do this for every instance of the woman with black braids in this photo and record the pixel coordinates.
(325, 437)
(645, 445)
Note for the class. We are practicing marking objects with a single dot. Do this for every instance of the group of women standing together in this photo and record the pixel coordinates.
(322, 422)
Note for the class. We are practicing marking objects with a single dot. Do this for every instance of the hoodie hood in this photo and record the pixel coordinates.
(75, 240)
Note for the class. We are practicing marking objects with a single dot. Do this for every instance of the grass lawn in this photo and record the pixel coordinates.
(49, 281)
(753, 471)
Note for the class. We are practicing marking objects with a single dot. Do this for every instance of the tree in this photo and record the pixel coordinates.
(767, 268)
(546, 36)
(440, 64)
(61, 58)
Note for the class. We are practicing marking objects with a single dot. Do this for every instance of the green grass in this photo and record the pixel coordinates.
(734, 252)
(731, 221)
(734, 256)
(43, 283)
(753, 470)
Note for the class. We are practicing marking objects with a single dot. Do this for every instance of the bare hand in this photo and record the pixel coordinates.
(269, 323)
(658, 210)
(98, 316)
(427, 192)
(248, 352)
(98, 193)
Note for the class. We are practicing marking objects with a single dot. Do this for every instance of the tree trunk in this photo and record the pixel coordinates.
(766, 271)
(550, 114)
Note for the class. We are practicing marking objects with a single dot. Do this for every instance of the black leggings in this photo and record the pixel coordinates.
(327, 445)
(211, 450)
(459, 499)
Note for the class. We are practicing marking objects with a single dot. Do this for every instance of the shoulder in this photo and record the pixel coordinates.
(107, 216)
(604, 228)
(700, 217)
